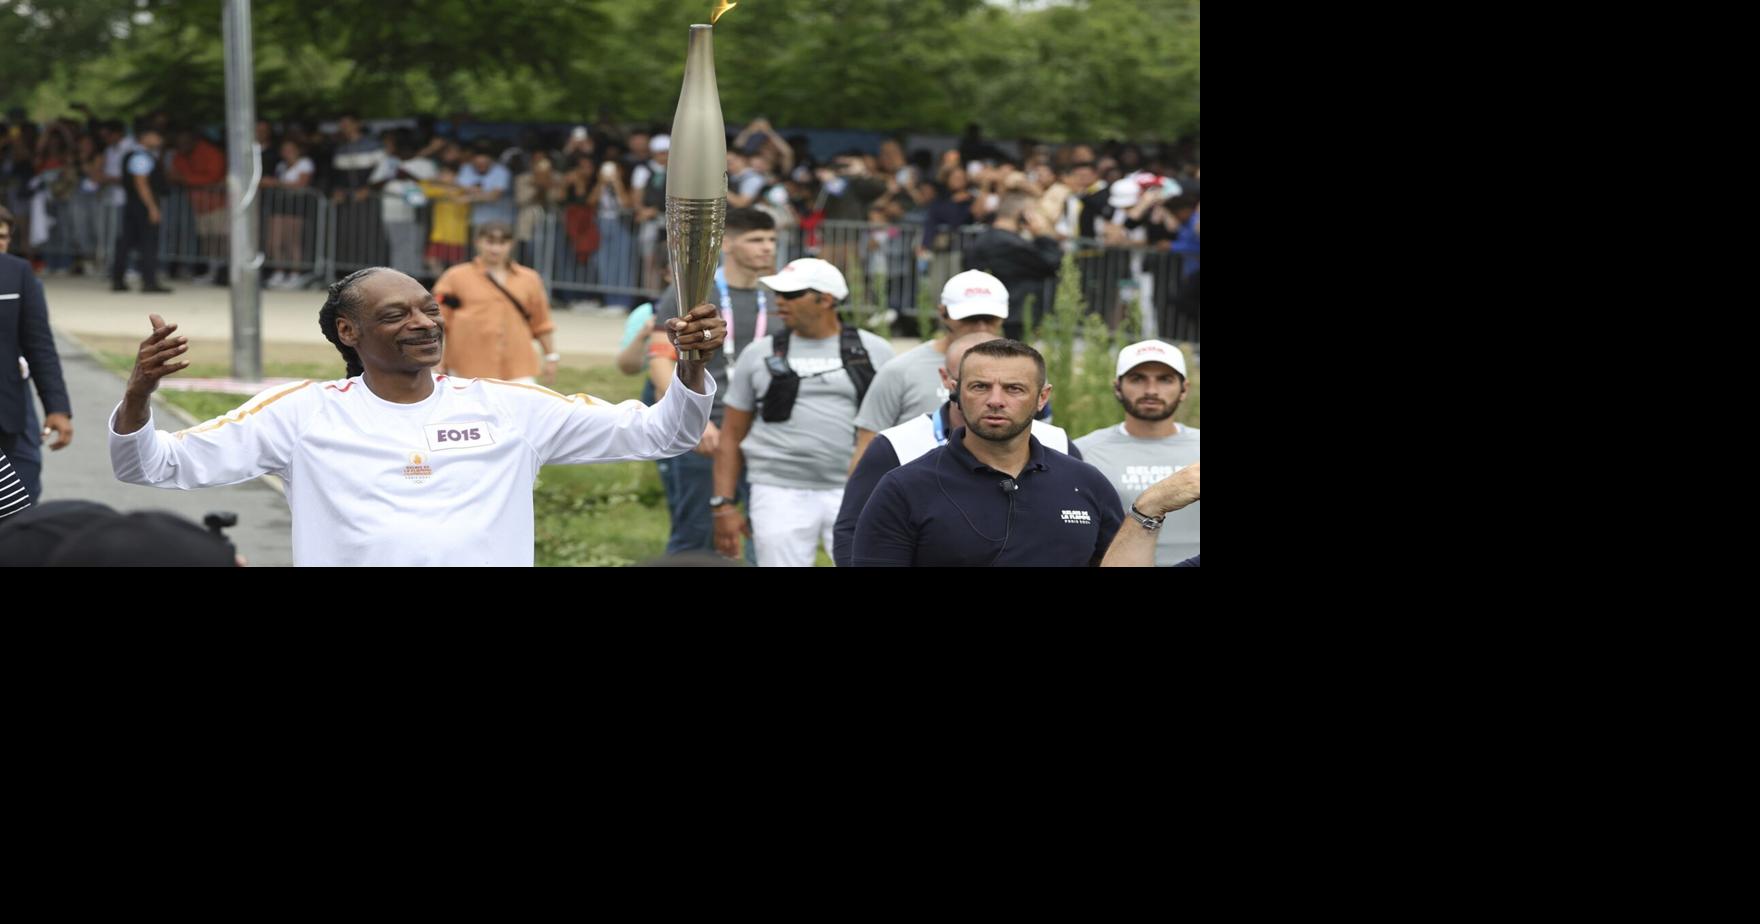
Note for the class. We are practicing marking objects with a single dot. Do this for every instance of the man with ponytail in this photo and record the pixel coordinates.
(396, 464)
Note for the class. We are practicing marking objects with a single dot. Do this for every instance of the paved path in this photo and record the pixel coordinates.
(264, 533)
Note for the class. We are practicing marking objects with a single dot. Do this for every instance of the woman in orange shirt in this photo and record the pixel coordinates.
(493, 309)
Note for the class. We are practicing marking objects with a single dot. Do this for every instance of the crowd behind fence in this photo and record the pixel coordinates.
(308, 240)
(586, 206)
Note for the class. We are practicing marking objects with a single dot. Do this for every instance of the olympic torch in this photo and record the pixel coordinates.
(696, 178)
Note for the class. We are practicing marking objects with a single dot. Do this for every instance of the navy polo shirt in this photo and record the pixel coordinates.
(881, 457)
(948, 508)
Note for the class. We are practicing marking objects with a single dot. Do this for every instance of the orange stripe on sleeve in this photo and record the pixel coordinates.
(225, 419)
(554, 394)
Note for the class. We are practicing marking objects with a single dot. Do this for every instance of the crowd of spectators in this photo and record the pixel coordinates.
(417, 187)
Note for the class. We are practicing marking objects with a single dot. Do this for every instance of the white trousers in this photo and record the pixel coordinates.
(789, 523)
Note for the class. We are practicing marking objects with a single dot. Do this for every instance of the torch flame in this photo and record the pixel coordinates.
(721, 7)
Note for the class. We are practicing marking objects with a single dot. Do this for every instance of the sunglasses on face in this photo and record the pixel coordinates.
(789, 296)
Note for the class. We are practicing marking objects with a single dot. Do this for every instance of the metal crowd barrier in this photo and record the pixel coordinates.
(584, 251)
(616, 259)
(79, 226)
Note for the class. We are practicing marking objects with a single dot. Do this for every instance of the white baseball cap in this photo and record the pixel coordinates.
(659, 144)
(1151, 351)
(1124, 193)
(809, 273)
(974, 292)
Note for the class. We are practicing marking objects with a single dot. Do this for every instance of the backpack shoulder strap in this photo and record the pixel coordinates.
(856, 361)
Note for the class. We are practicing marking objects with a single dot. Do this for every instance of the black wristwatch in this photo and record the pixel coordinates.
(1144, 520)
(719, 501)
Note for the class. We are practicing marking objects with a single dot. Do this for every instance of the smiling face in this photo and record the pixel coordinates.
(397, 328)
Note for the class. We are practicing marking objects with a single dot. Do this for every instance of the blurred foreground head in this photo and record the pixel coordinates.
(77, 533)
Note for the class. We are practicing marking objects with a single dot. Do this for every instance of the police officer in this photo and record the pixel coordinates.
(144, 186)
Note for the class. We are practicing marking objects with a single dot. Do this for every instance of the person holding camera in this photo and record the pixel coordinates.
(648, 182)
(846, 190)
(614, 263)
(488, 184)
(1020, 249)
(849, 187)
(790, 418)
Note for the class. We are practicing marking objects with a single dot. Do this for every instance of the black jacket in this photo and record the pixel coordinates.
(1023, 266)
(157, 181)
(1096, 208)
(24, 331)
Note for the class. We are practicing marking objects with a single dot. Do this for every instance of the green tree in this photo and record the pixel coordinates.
(1080, 70)
(1100, 68)
(315, 58)
(38, 39)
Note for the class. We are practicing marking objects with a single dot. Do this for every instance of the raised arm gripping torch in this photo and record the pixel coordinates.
(696, 178)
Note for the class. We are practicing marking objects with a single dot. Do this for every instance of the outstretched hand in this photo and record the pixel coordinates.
(157, 358)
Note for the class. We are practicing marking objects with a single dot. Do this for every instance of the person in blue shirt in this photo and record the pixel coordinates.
(1187, 246)
(994, 495)
(488, 185)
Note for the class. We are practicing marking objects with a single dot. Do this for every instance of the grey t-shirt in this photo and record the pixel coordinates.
(1132, 465)
(908, 387)
(745, 328)
(811, 448)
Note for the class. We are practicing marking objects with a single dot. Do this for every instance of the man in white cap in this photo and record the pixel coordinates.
(1149, 446)
(972, 302)
(790, 420)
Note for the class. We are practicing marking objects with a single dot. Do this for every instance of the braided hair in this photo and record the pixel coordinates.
(344, 296)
